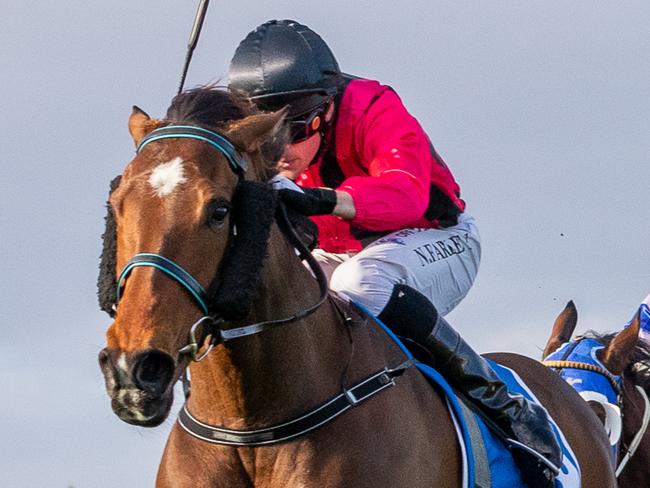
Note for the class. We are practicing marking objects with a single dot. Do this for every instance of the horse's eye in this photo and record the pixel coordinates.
(217, 212)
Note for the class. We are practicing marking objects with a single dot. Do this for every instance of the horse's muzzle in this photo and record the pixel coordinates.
(140, 385)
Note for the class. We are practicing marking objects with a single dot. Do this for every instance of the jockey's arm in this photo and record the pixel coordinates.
(344, 205)
(395, 154)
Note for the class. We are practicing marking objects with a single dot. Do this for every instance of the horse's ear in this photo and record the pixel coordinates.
(249, 133)
(563, 328)
(618, 353)
(140, 124)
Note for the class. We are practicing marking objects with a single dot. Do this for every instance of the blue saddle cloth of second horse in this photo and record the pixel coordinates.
(503, 471)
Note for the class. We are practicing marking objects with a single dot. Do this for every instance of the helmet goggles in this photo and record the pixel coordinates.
(301, 129)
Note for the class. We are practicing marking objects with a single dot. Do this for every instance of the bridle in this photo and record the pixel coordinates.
(211, 322)
(219, 335)
(615, 382)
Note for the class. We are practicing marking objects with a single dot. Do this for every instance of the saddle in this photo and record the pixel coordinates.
(487, 460)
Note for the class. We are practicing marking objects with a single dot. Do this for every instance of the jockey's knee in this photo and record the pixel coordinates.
(364, 282)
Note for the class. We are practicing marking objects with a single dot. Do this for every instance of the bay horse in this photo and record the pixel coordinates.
(625, 358)
(209, 279)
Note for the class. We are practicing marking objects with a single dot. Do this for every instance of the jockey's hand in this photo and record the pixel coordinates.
(311, 201)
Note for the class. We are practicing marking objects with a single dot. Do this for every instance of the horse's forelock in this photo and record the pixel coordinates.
(209, 106)
(214, 106)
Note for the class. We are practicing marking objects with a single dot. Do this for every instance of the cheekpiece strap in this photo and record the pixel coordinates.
(169, 268)
(219, 142)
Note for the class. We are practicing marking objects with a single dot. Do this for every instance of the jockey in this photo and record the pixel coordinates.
(393, 232)
(642, 368)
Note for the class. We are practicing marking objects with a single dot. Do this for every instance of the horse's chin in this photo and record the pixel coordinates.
(136, 407)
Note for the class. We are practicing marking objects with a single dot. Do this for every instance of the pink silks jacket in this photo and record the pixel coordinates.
(382, 157)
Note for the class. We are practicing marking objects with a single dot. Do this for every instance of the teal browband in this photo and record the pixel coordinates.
(219, 142)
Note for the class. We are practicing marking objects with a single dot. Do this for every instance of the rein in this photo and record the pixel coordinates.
(638, 437)
(218, 335)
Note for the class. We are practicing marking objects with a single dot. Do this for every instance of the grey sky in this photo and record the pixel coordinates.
(542, 109)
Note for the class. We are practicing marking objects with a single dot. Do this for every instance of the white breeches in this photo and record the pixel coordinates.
(440, 263)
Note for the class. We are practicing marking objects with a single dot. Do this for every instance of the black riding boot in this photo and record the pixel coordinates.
(412, 316)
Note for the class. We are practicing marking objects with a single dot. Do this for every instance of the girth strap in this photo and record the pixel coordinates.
(327, 412)
(482, 474)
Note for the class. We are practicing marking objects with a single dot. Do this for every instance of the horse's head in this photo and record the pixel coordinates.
(618, 353)
(178, 213)
(610, 371)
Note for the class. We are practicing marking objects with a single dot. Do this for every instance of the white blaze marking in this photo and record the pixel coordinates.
(166, 176)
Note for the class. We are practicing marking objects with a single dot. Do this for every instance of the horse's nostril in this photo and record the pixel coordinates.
(108, 370)
(152, 372)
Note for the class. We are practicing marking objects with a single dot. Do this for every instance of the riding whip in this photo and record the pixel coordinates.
(194, 37)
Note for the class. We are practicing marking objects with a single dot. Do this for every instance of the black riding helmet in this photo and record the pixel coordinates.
(283, 63)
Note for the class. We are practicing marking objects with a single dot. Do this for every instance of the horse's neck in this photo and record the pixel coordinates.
(274, 375)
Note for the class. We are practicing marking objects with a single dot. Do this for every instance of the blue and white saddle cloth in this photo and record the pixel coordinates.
(497, 468)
